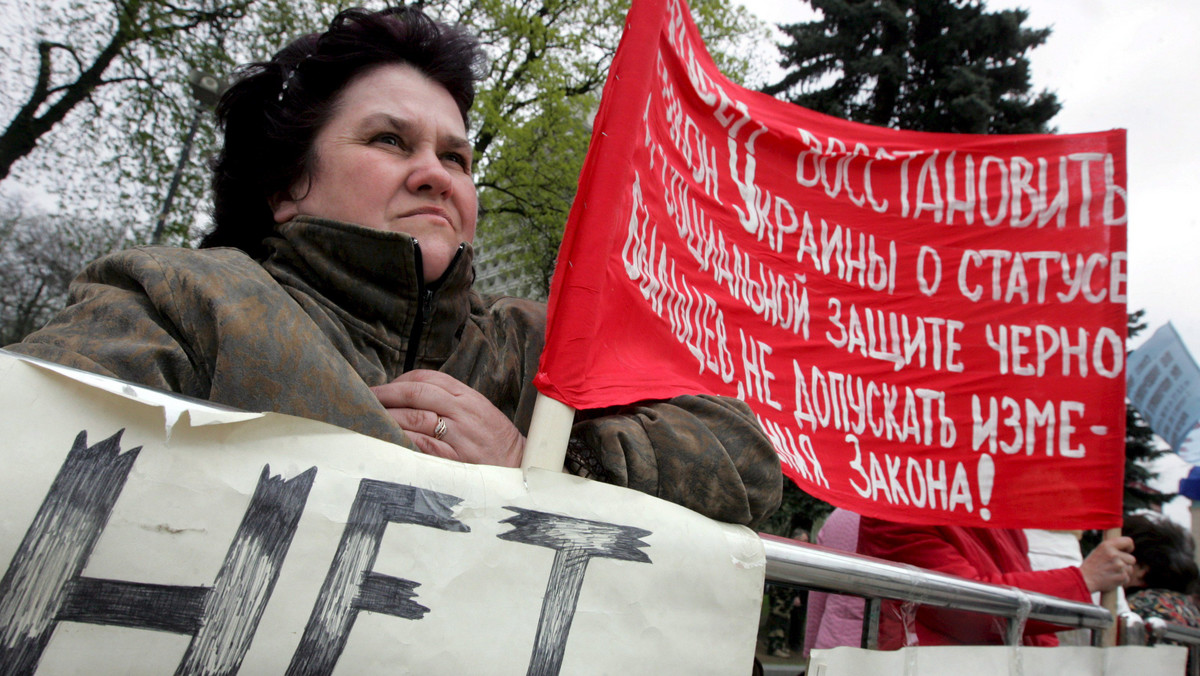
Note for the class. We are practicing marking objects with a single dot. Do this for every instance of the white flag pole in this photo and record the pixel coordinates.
(549, 430)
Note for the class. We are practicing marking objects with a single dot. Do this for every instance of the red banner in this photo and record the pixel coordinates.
(929, 327)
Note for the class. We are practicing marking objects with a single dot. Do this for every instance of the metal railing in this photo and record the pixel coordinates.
(818, 568)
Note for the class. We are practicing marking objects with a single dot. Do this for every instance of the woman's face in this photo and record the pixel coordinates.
(393, 156)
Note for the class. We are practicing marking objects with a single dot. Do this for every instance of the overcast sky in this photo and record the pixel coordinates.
(1131, 65)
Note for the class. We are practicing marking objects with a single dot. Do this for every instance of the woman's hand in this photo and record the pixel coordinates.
(1109, 566)
(474, 431)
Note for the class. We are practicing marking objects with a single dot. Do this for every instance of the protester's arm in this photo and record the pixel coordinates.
(703, 452)
(211, 325)
(931, 548)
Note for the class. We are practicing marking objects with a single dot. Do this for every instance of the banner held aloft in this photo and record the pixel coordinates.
(929, 327)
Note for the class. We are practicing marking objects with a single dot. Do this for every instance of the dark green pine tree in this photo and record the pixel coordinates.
(1140, 448)
(923, 65)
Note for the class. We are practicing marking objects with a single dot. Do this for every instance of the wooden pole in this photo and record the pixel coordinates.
(1196, 529)
(1108, 600)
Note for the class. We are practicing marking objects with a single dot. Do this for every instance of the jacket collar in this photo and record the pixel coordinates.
(371, 280)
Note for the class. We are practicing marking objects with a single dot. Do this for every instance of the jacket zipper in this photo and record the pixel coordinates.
(425, 296)
(424, 301)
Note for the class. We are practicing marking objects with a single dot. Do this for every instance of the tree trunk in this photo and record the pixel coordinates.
(22, 134)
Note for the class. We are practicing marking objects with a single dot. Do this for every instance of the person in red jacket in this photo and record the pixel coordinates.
(992, 555)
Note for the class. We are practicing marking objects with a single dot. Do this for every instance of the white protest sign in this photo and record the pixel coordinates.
(221, 543)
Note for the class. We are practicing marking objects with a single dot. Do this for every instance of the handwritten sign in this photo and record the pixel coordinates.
(929, 327)
(147, 534)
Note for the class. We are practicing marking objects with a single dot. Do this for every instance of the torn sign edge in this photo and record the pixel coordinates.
(746, 549)
(172, 405)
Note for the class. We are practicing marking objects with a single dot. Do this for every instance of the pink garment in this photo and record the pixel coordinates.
(833, 619)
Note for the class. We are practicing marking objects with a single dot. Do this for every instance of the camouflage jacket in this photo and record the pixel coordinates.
(337, 308)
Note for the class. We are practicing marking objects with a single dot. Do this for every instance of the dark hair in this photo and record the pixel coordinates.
(272, 113)
(1166, 549)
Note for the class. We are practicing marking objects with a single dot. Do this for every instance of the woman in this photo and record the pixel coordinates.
(1165, 574)
(344, 189)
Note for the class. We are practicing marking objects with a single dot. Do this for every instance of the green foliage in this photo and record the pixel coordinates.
(549, 63)
(927, 65)
(116, 148)
(1139, 451)
(96, 101)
